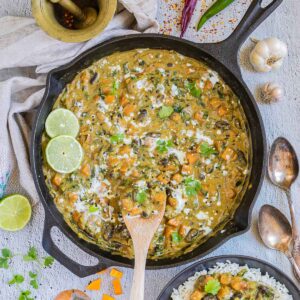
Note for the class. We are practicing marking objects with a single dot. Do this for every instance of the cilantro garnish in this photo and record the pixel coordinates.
(212, 287)
(115, 87)
(206, 150)
(162, 146)
(93, 208)
(165, 112)
(193, 89)
(141, 196)
(192, 187)
(176, 237)
(117, 138)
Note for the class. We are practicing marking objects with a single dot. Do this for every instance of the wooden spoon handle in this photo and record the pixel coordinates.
(70, 6)
(138, 282)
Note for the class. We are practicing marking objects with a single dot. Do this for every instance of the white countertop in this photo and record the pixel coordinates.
(280, 119)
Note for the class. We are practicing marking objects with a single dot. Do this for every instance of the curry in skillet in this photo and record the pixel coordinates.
(154, 126)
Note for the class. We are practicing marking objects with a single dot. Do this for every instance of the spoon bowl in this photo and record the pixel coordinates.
(276, 233)
(274, 229)
(283, 166)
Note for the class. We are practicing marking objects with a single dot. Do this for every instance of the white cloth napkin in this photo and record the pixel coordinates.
(24, 44)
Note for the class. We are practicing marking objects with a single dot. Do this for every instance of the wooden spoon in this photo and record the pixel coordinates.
(142, 231)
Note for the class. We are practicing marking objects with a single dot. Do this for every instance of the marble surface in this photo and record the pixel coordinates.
(280, 119)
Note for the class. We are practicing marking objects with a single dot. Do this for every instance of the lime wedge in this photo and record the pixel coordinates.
(62, 122)
(15, 212)
(64, 154)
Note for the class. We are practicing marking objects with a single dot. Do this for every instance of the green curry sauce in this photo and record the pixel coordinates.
(155, 126)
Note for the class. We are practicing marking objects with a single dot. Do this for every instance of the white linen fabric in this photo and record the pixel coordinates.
(24, 44)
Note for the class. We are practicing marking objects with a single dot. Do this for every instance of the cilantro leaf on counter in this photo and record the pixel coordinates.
(17, 279)
(212, 287)
(31, 255)
(5, 259)
(25, 295)
(6, 253)
(206, 150)
(48, 261)
(33, 281)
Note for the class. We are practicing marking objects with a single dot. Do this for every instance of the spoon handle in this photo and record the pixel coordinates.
(295, 266)
(292, 212)
(138, 282)
(296, 237)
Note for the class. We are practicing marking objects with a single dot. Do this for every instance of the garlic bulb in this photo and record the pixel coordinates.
(268, 54)
(271, 92)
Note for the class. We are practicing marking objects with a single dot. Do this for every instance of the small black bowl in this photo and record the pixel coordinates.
(241, 260)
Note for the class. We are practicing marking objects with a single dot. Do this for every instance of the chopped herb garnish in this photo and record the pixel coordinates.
(176, 237)
(115, 87)
(206, 150)
(117, 138)
(193, 89)
(165, 112)
(177, 108)
(205, 115)
(242, 272)
(141, 196)
(212, 287)
(162, 146)
(192, 187)
(93, 208)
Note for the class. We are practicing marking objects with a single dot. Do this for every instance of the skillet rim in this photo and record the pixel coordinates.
(58, 218)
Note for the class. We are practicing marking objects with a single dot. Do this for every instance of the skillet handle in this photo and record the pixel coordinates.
(253, 17)
(227, 51)
(54, 251)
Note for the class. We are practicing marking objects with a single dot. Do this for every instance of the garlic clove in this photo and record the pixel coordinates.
(271, 92)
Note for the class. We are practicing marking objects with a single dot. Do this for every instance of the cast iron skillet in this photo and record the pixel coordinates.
(241, 260)
(222, 57)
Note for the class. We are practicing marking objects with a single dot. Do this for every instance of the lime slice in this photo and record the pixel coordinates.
(64, 154)
(62, 122)
(15, 212)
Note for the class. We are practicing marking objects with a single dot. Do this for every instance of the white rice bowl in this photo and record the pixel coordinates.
(185, 290)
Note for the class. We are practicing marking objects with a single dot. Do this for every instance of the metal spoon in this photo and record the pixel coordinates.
(276, 232)
(283, 170)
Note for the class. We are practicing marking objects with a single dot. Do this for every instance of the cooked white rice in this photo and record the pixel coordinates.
(185, 290)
